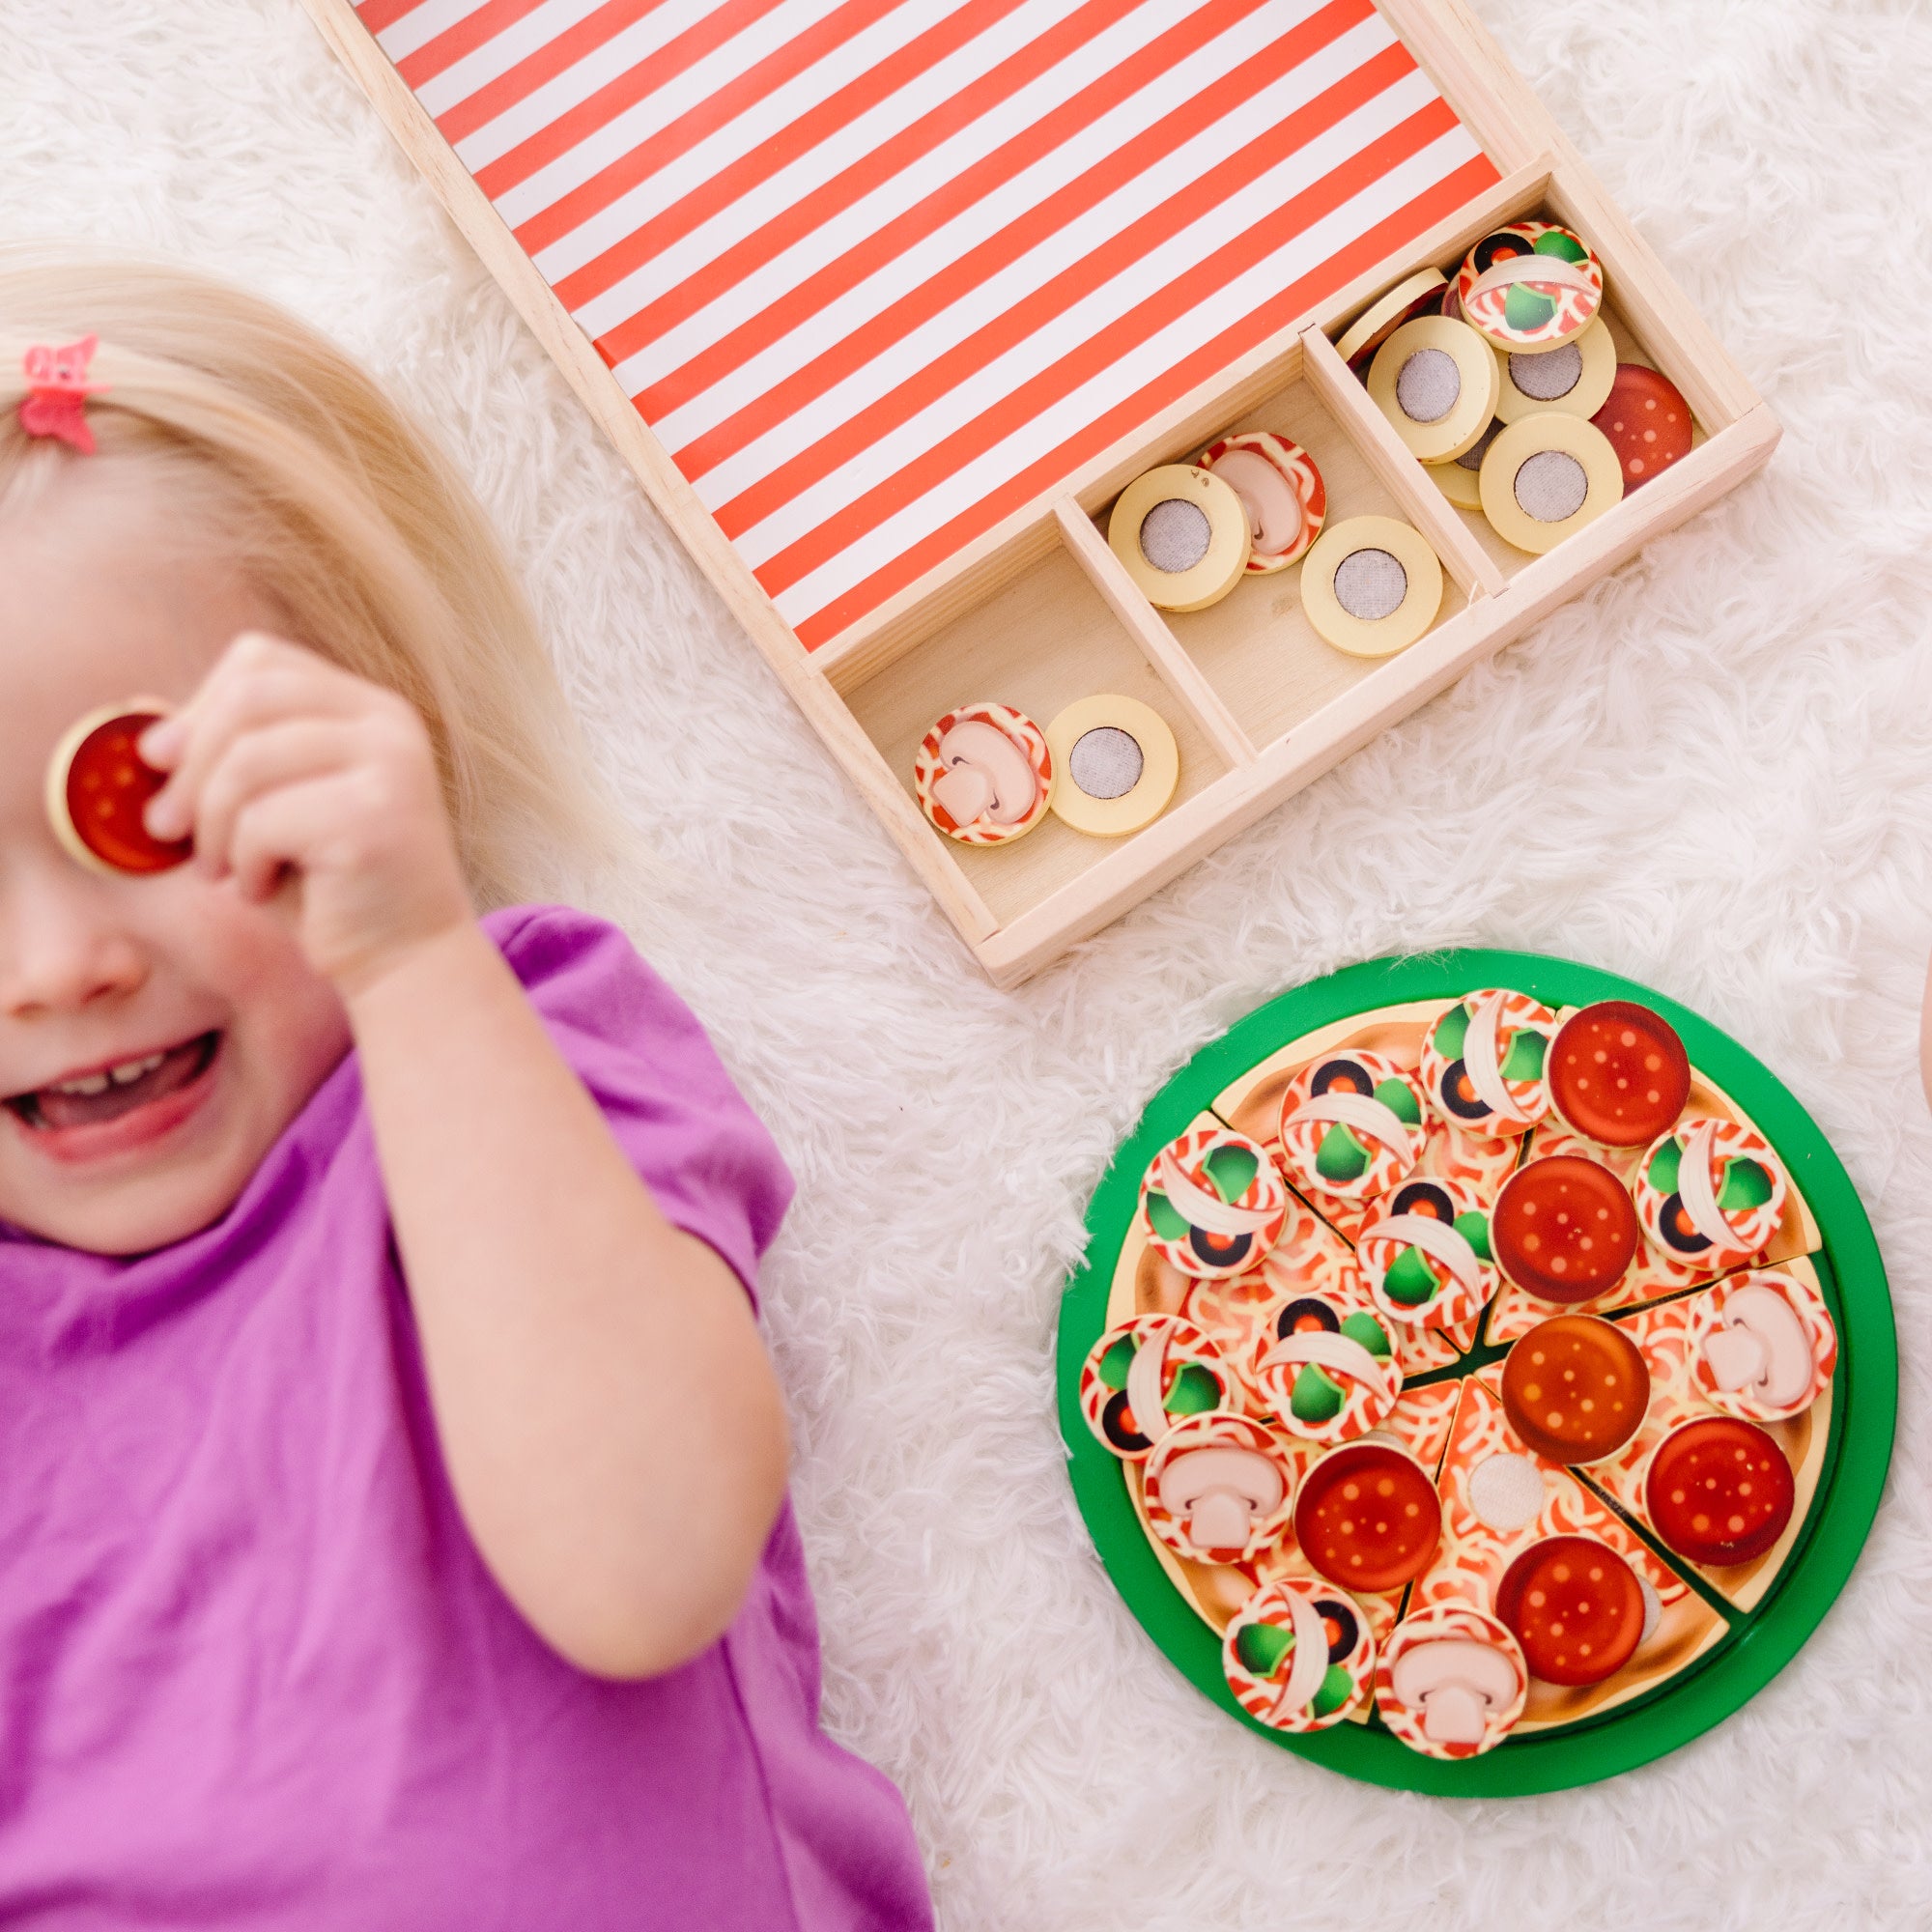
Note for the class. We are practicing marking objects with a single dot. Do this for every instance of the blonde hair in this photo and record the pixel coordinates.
(340, 511)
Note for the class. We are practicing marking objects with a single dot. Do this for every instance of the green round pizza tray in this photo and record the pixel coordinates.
(1857, 1447)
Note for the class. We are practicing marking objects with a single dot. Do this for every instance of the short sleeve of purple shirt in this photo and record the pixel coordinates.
(252, 1671)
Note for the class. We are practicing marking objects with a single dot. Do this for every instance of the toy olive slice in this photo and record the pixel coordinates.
(1576, 1607)
(1116, 765)
(1531, 285)
(1545, 477)
(1646, 420)
(1281, 490)
(1452, 1681)
(1419, 293)
(1368, 1517)
(1426, 1255)
(1720, 1491)
(1325, 1373)
(1351, 1126)
(1219, 1488)
(1371, 585)
(983, 774)
(97, 788)
(1564, 1228)
(1213, 1203)
(1298, 1655)
(1763, 1346)
(1575, 379)
(1618, 1073)
(1710, 1192)
(1575, 1388)
(1143, 1375)
(1182, 535)
(1483, 1064)
(1436, 383)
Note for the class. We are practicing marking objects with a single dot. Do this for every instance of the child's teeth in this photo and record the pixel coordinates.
(124, 1075)
(94, 1083)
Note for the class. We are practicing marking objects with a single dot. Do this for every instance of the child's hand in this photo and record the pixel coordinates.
(297, 777)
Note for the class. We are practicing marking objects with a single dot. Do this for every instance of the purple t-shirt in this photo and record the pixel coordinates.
(254, 1673)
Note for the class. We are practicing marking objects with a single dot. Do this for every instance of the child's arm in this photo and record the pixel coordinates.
(607, 1413)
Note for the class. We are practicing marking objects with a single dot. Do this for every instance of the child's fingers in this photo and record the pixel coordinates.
(277, 828)
(259, 760)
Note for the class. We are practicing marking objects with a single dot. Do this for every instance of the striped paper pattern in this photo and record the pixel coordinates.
(881, 272)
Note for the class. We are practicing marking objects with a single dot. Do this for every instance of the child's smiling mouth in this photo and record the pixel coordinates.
(119, 1104)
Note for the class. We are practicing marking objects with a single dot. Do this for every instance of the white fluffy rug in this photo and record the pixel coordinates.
(1715, 773)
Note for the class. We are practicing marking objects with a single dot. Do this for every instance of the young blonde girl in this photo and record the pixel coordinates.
(392, 1528)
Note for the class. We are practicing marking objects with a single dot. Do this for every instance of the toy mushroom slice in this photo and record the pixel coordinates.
(1213, 1203)
(1218, 1489)
(1298, 1655)
(1351, 1126)
(1426, 1255)
(1483, 1064)
(1710, 1192)
(1452, 1682)
(1327, 1372)
(1763, 1346)
(1143, 1375)
(1281, 490)
(983, 774)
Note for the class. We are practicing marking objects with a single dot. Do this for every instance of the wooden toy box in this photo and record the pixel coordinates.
(978, 569)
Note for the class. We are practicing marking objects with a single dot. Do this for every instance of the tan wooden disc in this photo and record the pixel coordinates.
(1182, 534)
(1574, 380)
(1364, 553)
(1537, 468)
(1437, 382)
(1459, 480)
(1115, 728)
(1386, 313)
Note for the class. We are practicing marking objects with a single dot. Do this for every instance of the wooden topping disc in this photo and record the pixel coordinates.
(1115, 762)
(1575, 1388)
(1436, 381)
(1461, 481)
(1368, 1517)
(983, 774)
(1618, 1073)
(1181, 533)
(1419, 293)
(1281, 490)
(98, 787)
(1575, 379)
(1162, 1363)
(1564, 1228)
(1298, 1655)
(1531, 285)
(1371, 585)
(1646, 420)
(1546, 477)
(1575, 1606)
(1719, 1490)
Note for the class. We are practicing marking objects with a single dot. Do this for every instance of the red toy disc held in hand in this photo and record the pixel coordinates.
(98, 786)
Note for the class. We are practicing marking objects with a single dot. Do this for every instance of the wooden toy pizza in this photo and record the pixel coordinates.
(1471, 1352)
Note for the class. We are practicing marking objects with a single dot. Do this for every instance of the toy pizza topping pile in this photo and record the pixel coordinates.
(1469, 1367)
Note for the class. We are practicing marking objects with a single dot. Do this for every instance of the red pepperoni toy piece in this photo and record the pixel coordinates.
(1564, 1228)
(1368, 1517)
(1647, 421)
(1575, 1388)
(97, 788)
(1575, 1606)
(1618, 1073)
(1719, 1490)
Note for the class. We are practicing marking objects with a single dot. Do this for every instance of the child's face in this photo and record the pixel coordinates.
(199, 1011)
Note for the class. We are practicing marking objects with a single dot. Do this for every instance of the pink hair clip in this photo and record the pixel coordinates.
(57, 389)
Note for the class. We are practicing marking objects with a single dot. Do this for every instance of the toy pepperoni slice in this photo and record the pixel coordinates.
(97, 788)
(1575, 1606)
(1719, 1490)
(1575, 1388)
(1618, 1073)
(1368, 1517)
(1564, 1228)
(1647, 421)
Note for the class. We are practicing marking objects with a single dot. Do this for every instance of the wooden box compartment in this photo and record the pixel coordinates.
(1029, 605)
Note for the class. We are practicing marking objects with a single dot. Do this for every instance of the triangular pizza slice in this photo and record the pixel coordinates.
(1499, 1501)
